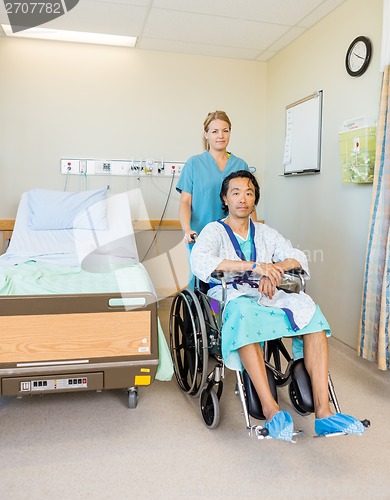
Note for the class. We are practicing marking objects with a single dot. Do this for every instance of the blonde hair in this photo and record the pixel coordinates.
(214, 115)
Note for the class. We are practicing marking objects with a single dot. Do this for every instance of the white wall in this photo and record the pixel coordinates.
(75, 100)
(325, 217)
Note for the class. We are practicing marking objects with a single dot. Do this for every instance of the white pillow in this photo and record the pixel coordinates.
(62, 244)
(66, 210)
(26, 242)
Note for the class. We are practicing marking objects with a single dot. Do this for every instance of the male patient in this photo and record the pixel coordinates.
(254, 258)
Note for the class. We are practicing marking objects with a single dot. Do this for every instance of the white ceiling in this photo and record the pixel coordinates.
(241, 29)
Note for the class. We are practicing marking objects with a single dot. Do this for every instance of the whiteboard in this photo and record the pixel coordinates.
(302, 150)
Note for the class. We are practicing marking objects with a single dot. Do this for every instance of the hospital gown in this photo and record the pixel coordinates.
(246, 320)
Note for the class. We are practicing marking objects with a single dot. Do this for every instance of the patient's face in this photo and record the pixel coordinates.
(240, 197)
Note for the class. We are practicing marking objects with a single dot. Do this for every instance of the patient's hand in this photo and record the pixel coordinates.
(274, 272)
(266, 287)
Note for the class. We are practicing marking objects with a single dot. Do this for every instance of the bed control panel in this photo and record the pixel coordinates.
(56, 383)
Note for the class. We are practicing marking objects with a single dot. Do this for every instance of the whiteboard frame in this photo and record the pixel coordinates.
(303, 141)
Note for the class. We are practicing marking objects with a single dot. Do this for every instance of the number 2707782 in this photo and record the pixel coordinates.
(33, 8)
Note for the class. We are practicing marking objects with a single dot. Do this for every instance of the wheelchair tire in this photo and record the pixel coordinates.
(188, 342)
(209, 407)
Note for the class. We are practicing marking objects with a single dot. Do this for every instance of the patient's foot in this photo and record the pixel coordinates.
(281, 426)
(270, 411)
(340, 422)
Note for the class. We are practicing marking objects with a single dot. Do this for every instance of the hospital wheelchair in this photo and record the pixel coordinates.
(195, 342)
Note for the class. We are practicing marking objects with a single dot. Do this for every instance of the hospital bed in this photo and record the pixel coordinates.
(78, 311)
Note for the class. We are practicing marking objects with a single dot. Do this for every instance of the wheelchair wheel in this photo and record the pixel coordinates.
(188, 342)
(209, 407)
(295, 403)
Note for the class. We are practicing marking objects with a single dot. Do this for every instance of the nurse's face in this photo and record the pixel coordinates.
(240, 197)
(218, 135)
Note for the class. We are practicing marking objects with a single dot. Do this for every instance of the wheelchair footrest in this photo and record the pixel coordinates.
(262, 433)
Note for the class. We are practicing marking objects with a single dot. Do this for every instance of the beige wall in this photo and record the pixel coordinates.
(325, 217)
(76, 100)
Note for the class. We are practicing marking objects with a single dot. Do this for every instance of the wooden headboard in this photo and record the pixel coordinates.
(6, 228)
(7, 224)
(170, 225)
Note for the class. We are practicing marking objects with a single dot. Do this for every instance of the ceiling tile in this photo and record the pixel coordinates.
(278, 11)
(184, 27)
(196, 48)
(243, 29)
(322, 11)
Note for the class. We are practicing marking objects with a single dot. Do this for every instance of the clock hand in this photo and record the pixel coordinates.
(357, 55)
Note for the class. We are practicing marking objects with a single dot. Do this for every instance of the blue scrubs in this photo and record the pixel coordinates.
(201, 178)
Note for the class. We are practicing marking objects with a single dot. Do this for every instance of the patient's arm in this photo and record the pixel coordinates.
(273, 271)
(288, 264)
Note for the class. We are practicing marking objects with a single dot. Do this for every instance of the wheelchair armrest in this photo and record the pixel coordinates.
(220, 275)
(293, 281)
(296, 271)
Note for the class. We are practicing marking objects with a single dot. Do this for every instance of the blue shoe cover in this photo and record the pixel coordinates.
(280, 426)
(338, 423)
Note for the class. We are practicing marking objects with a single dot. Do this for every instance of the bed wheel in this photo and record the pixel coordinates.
(132, 399)
(209, 407)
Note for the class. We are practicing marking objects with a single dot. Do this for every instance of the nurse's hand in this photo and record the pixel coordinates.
(190, 236)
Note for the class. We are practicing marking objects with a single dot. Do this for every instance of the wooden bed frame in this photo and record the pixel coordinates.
(62, 343)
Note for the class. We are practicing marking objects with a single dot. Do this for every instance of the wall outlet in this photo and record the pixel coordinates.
(173, 168)
(70, 166)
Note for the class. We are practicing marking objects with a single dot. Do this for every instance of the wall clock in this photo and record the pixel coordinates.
(358, 56)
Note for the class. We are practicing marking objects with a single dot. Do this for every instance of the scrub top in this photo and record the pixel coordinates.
(202, 178)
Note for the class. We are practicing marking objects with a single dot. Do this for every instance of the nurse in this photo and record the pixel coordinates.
(201, 178)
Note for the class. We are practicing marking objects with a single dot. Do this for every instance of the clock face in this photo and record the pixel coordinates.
(358, 56)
